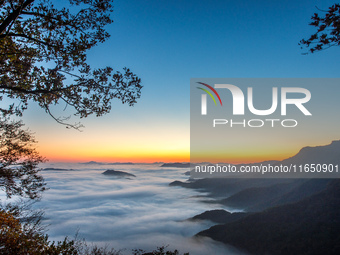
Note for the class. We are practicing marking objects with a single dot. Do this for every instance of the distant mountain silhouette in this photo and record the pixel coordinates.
(283, 216)
(118, 173)
(179, 165)
(217, 187)
(310, 226)
(101, 163)
(92, 163)
(318, 155)
(327, 154)
(120, 163)
(251, 197)
(260, 198)
(57, 169)
(219, 216)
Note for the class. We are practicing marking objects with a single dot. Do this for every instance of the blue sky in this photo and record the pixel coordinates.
(168, 42)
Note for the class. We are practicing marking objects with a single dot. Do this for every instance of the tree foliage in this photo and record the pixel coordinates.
(43, 58)
(328, 30)
(159, 251)
(19, 173)
(15, 239)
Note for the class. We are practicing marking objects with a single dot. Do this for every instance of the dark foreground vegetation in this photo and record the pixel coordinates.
(22, 238)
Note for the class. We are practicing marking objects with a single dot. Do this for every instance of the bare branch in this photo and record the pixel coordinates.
(76, 126)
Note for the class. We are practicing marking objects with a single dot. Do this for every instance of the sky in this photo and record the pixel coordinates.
(166, 43)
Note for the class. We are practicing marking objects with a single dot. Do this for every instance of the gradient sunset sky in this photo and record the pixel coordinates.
(168, 42)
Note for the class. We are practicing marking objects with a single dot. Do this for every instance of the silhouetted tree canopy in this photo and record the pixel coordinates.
(18, 162)
(328, 30)
(43, 58)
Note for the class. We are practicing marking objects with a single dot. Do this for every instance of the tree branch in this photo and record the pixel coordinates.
(320, 9)
(27, 37)
(13, 16)
(39, 14)
(69, 23)
(37, 91)
(69, 73)
(76, 126)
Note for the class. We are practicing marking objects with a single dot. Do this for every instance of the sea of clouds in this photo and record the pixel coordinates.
(141, 212)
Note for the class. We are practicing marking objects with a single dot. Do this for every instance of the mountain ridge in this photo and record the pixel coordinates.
(310, 226)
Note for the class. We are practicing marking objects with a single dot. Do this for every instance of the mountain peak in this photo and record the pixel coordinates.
(325, 154)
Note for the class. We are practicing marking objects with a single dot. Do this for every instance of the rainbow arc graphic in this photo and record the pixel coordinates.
(204, 97)
(209, 93)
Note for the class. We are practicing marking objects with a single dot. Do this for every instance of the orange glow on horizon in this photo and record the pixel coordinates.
(148, 145)
(242, 157)
(184, 156)
(133, 159)
(132, 156)
(75, 147)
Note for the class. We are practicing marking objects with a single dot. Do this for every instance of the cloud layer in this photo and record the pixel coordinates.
(142, 212)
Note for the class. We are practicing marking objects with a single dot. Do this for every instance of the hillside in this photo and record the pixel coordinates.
(219, 216)
(217, 187)
(311, 226)
(259, 198)
(329, 154)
